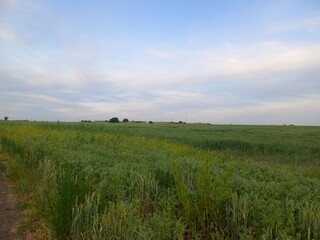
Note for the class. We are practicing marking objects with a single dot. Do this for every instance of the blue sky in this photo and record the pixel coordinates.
(239, 62)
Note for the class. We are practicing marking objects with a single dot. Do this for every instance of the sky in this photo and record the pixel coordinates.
(223, 62)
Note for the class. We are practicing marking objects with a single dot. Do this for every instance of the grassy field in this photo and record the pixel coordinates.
(168, 181)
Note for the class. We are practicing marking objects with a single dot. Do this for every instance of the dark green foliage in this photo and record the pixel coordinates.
(71, 187)
(202, 202)
(114, 120)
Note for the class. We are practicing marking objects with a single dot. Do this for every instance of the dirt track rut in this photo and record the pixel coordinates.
(9, 211)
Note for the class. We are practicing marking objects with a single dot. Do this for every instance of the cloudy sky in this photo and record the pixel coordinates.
(238, 62)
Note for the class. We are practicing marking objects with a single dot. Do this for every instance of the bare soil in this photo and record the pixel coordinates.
(9, 209)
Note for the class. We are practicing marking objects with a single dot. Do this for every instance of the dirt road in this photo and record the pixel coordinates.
(9, 211)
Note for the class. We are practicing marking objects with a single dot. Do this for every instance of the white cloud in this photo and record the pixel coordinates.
(263, 58)
(5, 4)
(235, 63)
(309, 25)
(30, 97)
(64, 110)
(9, 37)
(302, 111)
(80, 68)
(48, 71)
(161, 54)
(169, 90)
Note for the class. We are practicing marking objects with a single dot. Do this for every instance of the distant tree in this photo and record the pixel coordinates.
(6, 118)
(125, 120)
(150, 122)
(114, 120)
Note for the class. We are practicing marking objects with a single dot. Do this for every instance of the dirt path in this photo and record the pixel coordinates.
(9, 211)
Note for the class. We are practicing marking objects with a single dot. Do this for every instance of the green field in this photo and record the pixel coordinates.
(167, 181)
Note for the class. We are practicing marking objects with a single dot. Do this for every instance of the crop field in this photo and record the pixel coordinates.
(167, 181)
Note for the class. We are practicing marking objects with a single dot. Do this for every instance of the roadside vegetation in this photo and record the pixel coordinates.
(174, 181)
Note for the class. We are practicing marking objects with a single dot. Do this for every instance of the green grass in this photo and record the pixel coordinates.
(281, 144)
(178, 181)
(2, 167)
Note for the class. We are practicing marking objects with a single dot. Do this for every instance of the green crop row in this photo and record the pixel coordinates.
(98, 182)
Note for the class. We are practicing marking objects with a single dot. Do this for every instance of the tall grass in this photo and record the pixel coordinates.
(308, 221)
(202, 202)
